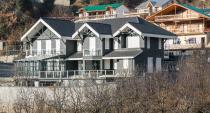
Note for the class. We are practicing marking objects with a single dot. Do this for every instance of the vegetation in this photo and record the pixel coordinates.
(186, 91)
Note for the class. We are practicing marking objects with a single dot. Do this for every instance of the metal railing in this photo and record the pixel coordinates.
(182, 46)
(95, 17)
(43, 52)
(92, 53)
(71, 74)
(176, 17)
(182, 30)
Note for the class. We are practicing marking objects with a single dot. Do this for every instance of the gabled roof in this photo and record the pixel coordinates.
(203, 12)
(146, 28)
(101, 28)
(198, 10)
(63, 27)
(144, 4)
(101, 7)
(115, 23)
(161, 3)
(149, 28)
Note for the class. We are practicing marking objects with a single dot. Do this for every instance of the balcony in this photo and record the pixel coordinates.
(180, 30)
(71, 74)
(182, 46)
(89, 53)
(176, 17)
(95, 17)
(43, 52)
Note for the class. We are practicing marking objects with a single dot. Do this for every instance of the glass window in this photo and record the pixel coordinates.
(176, 41)
(192, 40)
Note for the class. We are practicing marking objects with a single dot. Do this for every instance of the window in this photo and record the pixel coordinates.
(133, 42)
(192, 40)
(106, 43)
(125, 63)
(176, 41)
(159, 43)
(158, 64)
(148, 42)
(150, 65)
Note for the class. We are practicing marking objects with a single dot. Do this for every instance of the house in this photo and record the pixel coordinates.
(146, 8)
(103, 11)
(189, 23)
(64, 50)
(163, 3)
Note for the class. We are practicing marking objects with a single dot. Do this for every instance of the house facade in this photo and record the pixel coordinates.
(146, 8)
(102, 11)
(189, 23)
(63, 50)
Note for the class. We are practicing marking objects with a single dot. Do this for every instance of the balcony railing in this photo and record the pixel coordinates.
(181, 30)
(72, 74)
(182, 46)
(92, 53)
(176, 17)
(95, 17)
(43, 52)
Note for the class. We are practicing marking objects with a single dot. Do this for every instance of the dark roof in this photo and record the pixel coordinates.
(63, 27)
(101, 28)
(75, 55)
(147, 27)
(107, 26)
(115, 23)
(123, 53)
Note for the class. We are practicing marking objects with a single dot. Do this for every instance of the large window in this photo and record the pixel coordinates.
(192, 40)
(176, 41)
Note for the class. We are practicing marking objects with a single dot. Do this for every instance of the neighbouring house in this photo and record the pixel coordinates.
(103, 11)
(163, 3)
(59, 50)
(190, 24)
(146, 8)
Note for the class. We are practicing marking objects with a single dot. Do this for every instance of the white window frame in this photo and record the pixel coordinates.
(107, 43)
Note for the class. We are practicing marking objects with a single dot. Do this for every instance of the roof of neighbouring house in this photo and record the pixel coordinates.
(204, 12)
(198, 10)
(101, 7)
(144, 4)
(161, 3)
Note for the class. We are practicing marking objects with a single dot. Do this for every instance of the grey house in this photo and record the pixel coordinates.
(62, 49)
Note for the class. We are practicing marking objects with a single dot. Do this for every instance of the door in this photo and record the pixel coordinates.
(92, 46)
